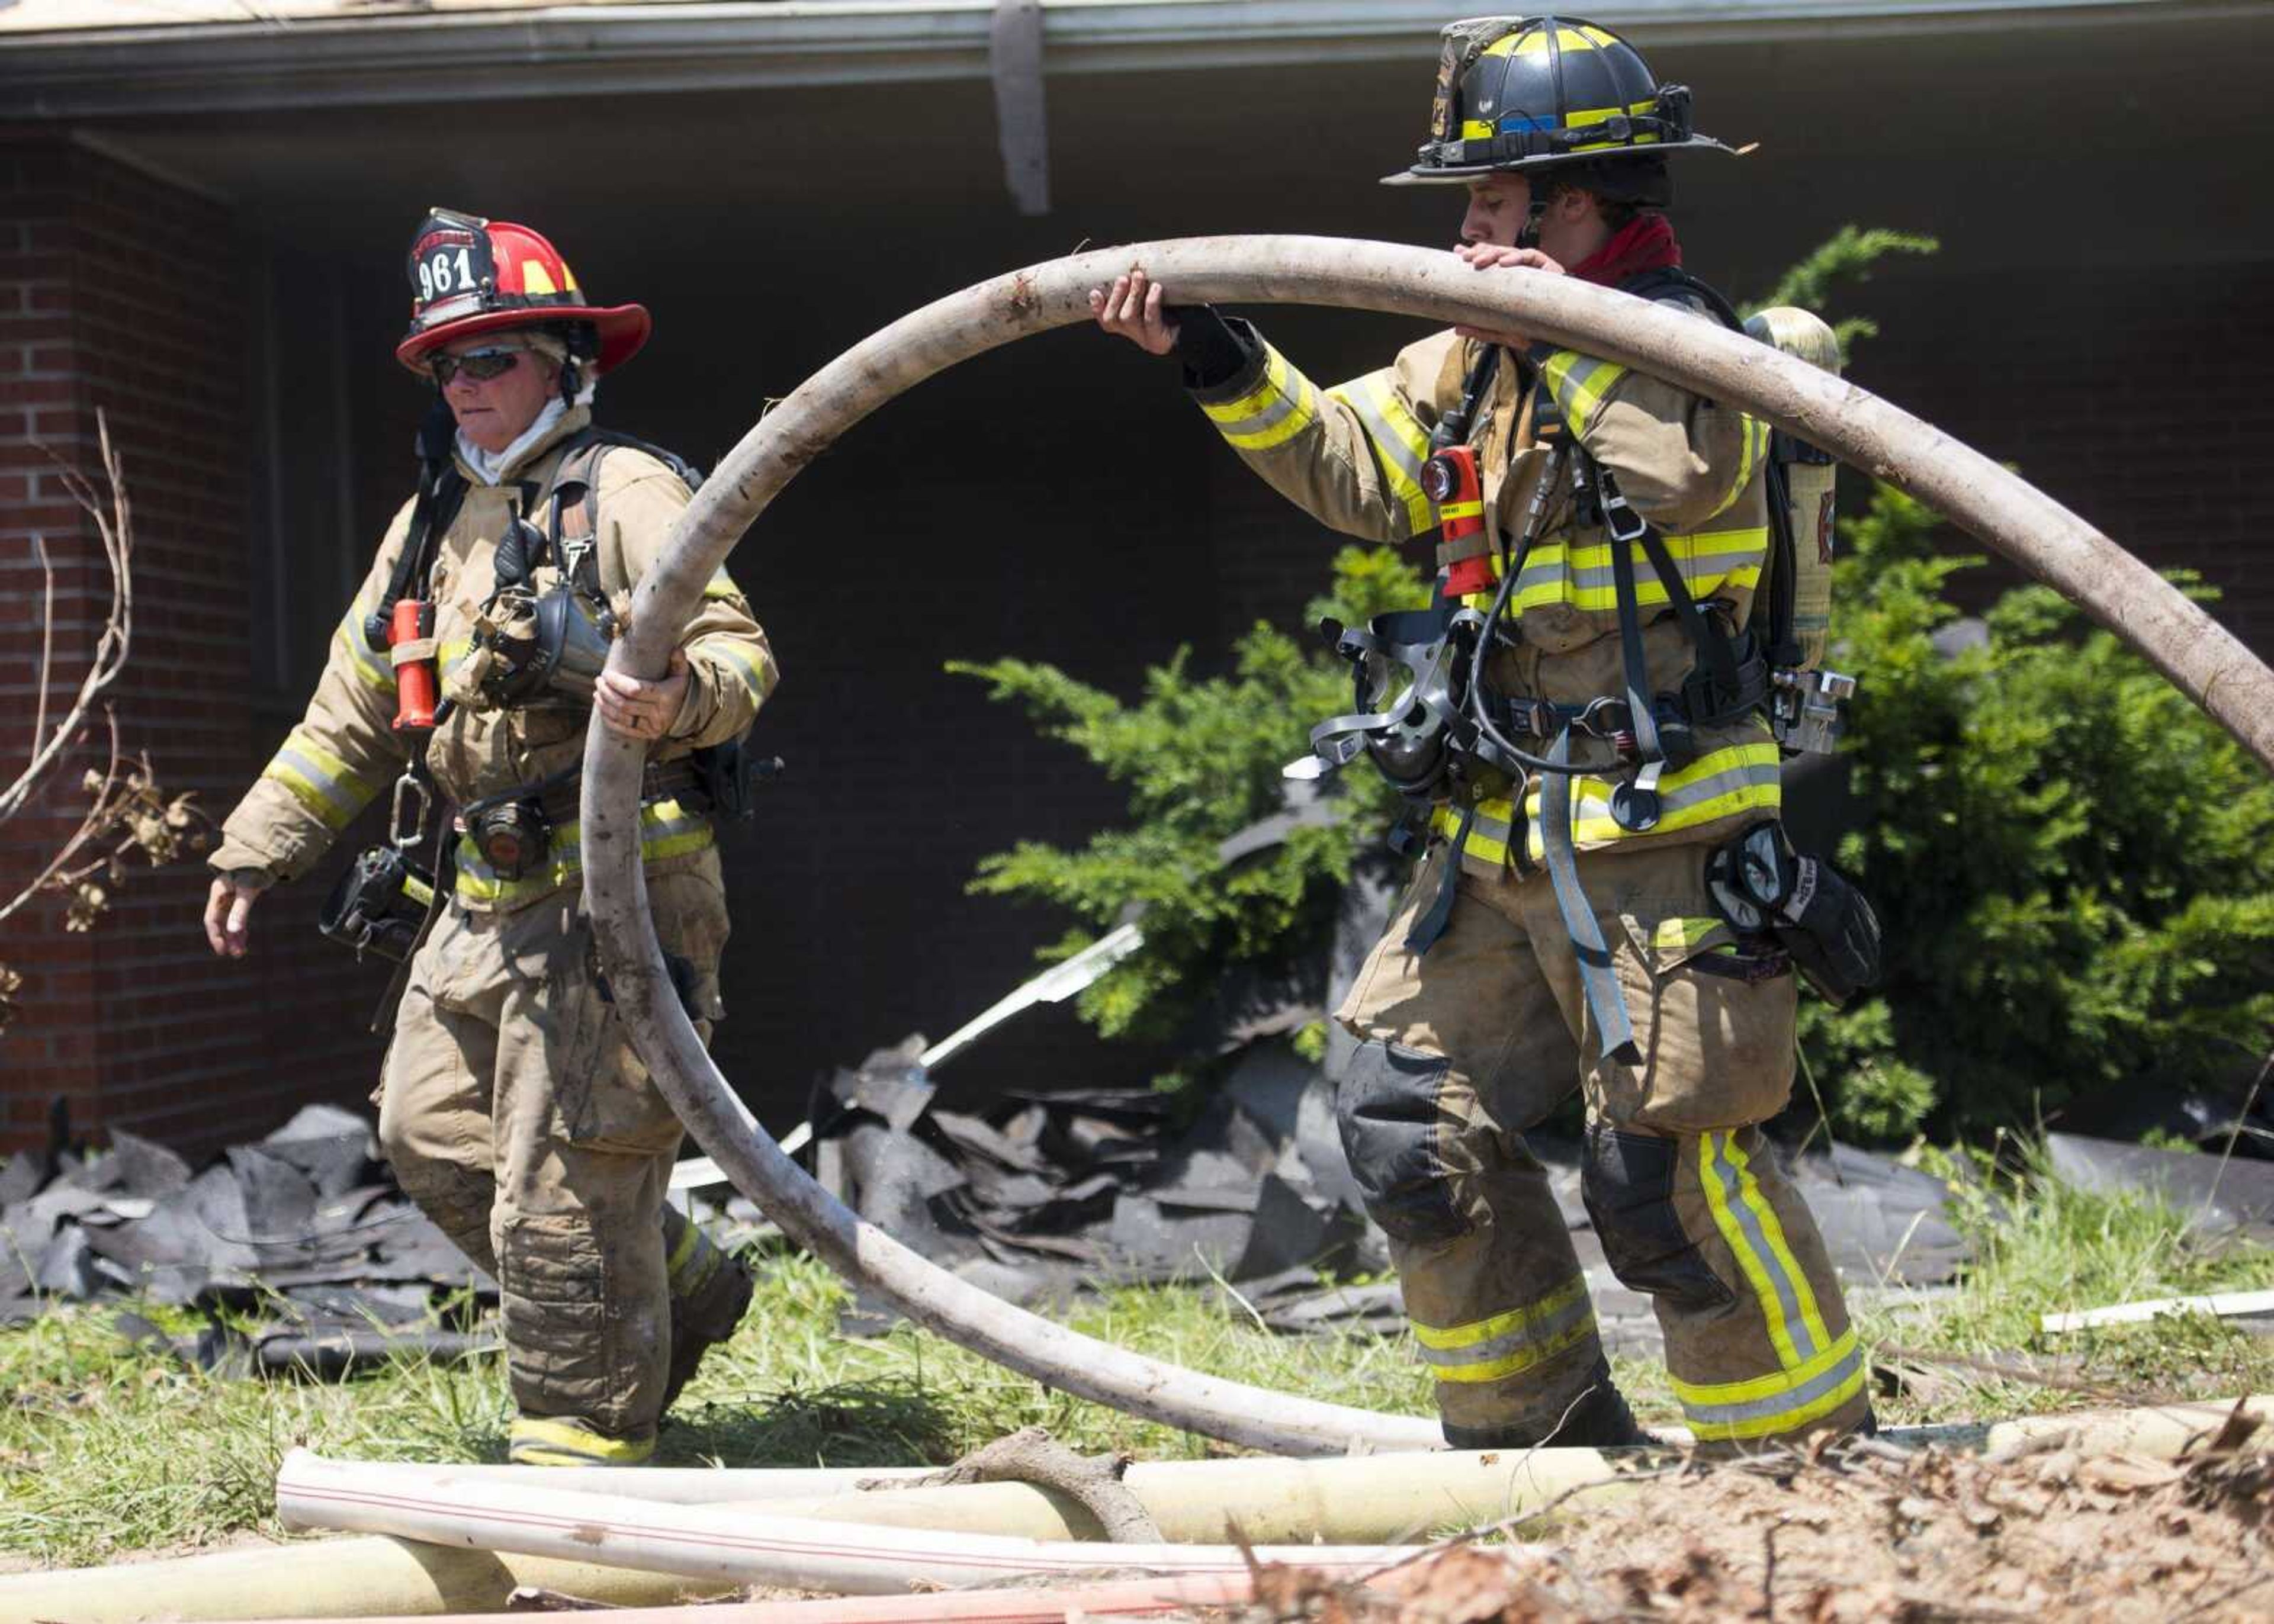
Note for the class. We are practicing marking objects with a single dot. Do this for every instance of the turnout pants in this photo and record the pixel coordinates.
(517, 1116)
(1461, 1050)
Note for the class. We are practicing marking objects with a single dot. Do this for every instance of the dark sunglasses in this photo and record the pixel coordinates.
(481, 366)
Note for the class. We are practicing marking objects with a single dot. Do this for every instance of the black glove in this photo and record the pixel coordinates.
(1214, 351)
(1760, 884)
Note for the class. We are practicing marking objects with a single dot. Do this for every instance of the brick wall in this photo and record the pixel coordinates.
(122, 293)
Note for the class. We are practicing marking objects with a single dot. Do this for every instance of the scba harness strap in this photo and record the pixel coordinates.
(1446, 728)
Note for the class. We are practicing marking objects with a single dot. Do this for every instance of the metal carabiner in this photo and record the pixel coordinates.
(1615, 504)
(412, 789)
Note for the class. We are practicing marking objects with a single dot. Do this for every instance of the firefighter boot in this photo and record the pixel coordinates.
(564, 1440)
(710, 1293)
(1598, 1418)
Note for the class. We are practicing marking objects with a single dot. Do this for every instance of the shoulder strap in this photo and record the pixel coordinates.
(1774, 618)
(690, 476)
(441, 488)
(1656, 284)
(577, 486)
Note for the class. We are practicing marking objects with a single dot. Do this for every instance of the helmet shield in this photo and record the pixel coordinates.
(451, 268)
(1524, 94)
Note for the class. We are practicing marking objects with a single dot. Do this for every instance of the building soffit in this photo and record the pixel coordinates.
(68, 59)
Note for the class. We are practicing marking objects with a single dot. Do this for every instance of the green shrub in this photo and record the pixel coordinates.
(2074, 866)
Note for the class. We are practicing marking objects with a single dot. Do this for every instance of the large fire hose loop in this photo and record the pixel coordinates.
(2200, 658)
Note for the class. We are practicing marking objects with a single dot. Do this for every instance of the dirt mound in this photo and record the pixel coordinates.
(1868, 1533)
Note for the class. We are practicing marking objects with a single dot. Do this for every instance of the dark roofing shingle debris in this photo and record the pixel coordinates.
(299, 1249)
(1043, 1194)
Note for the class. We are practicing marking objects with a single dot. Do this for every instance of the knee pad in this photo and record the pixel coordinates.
(1627, 1181)
(458, 1201)
(1386, 1106)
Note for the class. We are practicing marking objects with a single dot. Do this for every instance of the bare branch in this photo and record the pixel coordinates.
(127, 811)
(114, 522)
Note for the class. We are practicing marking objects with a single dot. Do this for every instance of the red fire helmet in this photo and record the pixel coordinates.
(470, 276)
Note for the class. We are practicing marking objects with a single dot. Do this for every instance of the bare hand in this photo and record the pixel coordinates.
(636, 709)
(229, 904)
(1132, 309)
(1493, 256)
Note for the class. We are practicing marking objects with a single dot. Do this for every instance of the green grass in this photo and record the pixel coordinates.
(105, 1448)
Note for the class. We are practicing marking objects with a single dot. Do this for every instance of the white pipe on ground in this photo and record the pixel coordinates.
(1378, 1499)
(371, 1578)
(2201, 658)
(733, 1543)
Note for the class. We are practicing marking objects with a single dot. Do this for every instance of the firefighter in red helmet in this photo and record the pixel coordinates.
(459, 686)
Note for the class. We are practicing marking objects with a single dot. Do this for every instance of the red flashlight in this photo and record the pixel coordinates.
(1449, 479)
(410, 642)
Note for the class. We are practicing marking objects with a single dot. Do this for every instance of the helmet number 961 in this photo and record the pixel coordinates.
(445, 272)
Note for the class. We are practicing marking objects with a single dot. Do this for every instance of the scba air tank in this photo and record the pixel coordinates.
(1810, 477)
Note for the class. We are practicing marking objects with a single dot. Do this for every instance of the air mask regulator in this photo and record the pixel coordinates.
(380, 904)
(538, 646)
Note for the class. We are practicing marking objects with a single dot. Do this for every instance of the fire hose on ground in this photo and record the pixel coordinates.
(2199, 656)
(435, 1558)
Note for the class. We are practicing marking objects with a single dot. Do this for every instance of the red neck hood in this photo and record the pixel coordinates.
(1644, 243)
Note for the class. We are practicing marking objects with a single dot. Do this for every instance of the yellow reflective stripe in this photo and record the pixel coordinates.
(1754, 1208)
(756, 671)
(1489, 830)
(1533, 43)
(1750, 1262)
(536, 1440)
(1400, 443)
(418, 891)
(1578, 383)
(320, 780)
(693, 1262)
(668, 829)
(1681, 934)
(1461, 510)
(1604, 114)
(721, 584)
(1582, 576)
(1451, 1338)
(689, 1240)
(1783, 1402)
(1507, 1344)
(1279, 408)
(1754, 440)
(373, 671)
(1719, 784)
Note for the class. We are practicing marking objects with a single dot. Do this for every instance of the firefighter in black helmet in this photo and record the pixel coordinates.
(1561, 934)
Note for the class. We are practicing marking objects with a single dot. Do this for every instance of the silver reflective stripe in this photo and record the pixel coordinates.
(1788, 1290)
(1287, 403)
(1402, 461)
(373, 669)
(346, 794)
(1526, 1334)
(1673, 797)
(750, 666)
(1841, 1370)
(1602, 577)
(1572, 385)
